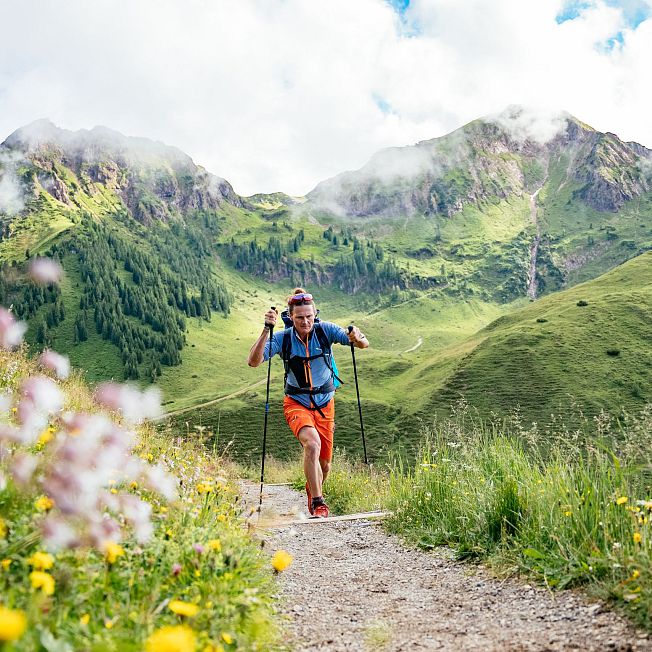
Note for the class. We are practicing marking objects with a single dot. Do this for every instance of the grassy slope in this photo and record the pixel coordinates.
(540, 366)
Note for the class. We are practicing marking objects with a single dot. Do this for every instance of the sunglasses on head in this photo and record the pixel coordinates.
(300, 298)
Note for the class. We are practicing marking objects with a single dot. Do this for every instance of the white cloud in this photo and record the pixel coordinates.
(280, 94)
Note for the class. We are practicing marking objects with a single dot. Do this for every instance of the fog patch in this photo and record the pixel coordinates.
(531, 124)
(12, 196)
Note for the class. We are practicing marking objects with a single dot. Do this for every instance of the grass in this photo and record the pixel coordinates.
(103, 605)
(566, 514)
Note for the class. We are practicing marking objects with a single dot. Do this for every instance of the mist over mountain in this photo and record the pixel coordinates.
(512, 153)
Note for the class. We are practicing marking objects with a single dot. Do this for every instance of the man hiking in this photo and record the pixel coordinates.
(309, 405)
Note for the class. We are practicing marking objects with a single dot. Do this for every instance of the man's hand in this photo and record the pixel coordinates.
(270, 318)
(357, 338)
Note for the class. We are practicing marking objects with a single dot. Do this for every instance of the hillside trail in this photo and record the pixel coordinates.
(353, 587)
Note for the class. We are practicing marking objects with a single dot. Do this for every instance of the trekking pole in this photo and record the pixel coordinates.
(357, 391)
(269, 370)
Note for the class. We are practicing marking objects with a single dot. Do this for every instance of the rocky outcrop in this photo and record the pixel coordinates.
(153, 180)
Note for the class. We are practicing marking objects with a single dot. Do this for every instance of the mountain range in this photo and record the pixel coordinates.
(168, 269)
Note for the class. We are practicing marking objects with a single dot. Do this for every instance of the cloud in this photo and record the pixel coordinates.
(279, 95)
(536, 124)
(11, 190)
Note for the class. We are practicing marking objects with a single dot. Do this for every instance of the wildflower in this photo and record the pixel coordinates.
(197, 573)
(41, 561)
(221, 518)
(112, 551)
(85, 619)
(198, 548)
(637, 537)
(57, 533)
(44, 503)
(45, 271)
(133, 485)
(45, 437)
(3, 528)
(11, 331)
(58, 363)
(43, 394)
(204, 488)
(183, 608)
(179, 638)
(227, 638)
(5, 563)
(281, 560)
(43, 581)
(568, 513)
(134, 405)
(635, 574)
(215, 544)
(12, 624)
(108, 623)
(176, 569)
(622, 500)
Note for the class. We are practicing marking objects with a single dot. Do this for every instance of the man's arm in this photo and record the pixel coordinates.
(257, 351)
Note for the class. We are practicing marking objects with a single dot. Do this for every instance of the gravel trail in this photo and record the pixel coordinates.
(354, 587)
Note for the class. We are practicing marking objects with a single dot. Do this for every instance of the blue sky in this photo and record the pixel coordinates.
(634, 11)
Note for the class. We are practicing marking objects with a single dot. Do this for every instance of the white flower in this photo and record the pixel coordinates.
(159, 480)
(45, 271)
(11, 331)
(58, 363)
(5, 402)
(23, 468)
(58, 534)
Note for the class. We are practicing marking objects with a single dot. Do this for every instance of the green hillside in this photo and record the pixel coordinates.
(590, 345)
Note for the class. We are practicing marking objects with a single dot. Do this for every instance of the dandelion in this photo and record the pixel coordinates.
(622, 500)
(108, 623)
(43, 581)
(5, 563)
(85, 619)
(3, 528)
(45, 271)
(635, 574)
(215, 544)
(637, 537)
(281, 560)
(179, 638)
(44, 503)
(227, 638)
(183, 608)
(112, 551)
(221, 518)
(41, 561)
(12, 624)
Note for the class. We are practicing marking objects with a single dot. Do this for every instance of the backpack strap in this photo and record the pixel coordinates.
(326, 349)
(286, 350)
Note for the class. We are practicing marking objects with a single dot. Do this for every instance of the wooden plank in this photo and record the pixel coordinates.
(313, 520)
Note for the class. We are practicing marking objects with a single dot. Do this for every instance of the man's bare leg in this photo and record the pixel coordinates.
(312, 466)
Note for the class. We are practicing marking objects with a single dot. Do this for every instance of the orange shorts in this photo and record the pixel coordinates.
(298, 416)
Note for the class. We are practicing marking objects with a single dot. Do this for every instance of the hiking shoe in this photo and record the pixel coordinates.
(321, 511)
(309, 499)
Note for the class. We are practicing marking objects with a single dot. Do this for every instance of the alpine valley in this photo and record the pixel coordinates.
(506, 265)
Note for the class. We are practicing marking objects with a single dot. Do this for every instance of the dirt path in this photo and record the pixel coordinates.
(213, 401)
(416, 346)
(353, 587)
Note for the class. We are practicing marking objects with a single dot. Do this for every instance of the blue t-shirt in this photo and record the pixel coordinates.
(319, 370)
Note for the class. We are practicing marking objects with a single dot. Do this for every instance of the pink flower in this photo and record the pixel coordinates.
(5, 402)
(159, 480)
(45, 271)
(60, 364)
(197, 547)
(58, 534)
(11, 331)
(23, 468)
(44, 394)
(134, 405)
(176, 569)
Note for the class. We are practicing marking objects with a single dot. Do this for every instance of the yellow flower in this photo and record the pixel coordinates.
(179, 638)
(622, 500)
(5, 563)
(114, 490)
(215, 544)
(112, 551)
(227, 638)
(637, 537)
(45, 436)
(221, 518)
(108, 623)
(44, 503)
(568, 513)
(204, 488)
(43, 581)
(636, 574)
(183, 608)
(85, 619)
(197, 572)
(41, 561)
(281, 560)
(213, 648)
(3, 528)
(133, 485)
(12, 624)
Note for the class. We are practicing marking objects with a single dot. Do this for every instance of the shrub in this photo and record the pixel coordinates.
(581, 303)
(613, 352)
(541, 320)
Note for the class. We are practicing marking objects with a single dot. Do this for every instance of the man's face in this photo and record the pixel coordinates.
(303, 318)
